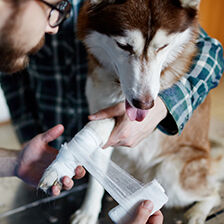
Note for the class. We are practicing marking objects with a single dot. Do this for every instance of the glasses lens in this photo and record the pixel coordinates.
(63, 5)
(58, 16)
(54, 17)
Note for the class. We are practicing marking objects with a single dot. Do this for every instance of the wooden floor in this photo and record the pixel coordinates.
(20, 204)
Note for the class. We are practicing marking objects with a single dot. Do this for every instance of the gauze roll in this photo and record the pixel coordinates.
(125, 212)
(84, 149)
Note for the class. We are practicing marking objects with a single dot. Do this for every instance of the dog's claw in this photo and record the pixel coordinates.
(49, 179)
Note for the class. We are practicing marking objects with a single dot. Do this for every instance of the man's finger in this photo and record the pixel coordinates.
(112, 141)
(52, 133)
(143, 212)
(156, 218)
(55, 190)
(67, 183)
(113, 111)
(114, 138)
(80, 172)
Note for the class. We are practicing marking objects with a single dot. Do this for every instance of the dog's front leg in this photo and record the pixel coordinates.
(198, 213)
(91, 207)
(61, 167)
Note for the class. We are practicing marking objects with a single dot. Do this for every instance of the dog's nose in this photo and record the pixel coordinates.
(143, 105)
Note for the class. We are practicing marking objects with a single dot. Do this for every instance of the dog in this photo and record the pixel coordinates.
(137, 48)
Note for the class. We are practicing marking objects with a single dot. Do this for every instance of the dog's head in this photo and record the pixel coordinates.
(138, 40)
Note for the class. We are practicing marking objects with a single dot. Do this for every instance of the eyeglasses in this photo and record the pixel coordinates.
(59, 12)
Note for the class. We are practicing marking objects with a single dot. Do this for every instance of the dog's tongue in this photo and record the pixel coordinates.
(135, 114)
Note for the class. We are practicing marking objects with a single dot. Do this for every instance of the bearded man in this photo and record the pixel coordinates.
(23, 25)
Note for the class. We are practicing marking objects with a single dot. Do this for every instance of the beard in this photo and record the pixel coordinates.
(13, 57)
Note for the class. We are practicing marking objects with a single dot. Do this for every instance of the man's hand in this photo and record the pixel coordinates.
(130, 133)
(37, 155)
(143, 215)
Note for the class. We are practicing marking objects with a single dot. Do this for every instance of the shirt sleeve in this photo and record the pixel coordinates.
(21, 105)
(192, 89)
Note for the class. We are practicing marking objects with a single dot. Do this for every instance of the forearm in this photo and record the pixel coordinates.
(191, 90)
(8, 162)
(22, 105)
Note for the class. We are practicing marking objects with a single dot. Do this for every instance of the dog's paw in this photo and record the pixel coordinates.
(194, 217)
(196, 220)
(83, 217)
(50, 178)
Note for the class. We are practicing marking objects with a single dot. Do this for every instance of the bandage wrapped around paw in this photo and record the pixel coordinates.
(84, 149)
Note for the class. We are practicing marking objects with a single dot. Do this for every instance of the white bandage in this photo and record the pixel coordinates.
(126, 210)
(84, 149)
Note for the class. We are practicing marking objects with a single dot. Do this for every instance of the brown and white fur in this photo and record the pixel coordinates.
(137, 48)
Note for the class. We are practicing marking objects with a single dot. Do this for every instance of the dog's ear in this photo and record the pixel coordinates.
(190, 3)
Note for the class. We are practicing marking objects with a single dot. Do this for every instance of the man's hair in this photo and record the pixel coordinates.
(15, 3)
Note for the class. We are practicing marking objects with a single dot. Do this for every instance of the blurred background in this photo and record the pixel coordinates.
(14, 194)
(211, 15)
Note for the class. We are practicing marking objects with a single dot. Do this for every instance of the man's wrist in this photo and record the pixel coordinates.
(8, 162)
(161, 108)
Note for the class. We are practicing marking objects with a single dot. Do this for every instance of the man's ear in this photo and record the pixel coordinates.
(190, 3)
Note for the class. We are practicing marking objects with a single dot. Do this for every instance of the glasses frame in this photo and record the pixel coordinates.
(54, 7)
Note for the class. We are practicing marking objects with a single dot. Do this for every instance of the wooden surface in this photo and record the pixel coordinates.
(211, 18)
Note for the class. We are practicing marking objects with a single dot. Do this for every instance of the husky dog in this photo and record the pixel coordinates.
(137, 48)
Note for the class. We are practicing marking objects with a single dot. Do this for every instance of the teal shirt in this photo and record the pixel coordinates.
(191, 90)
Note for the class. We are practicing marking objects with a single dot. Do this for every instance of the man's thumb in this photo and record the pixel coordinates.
(52, 133)
(110, 112)
(143, 213)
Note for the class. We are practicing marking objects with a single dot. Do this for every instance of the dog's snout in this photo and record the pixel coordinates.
(143, 105)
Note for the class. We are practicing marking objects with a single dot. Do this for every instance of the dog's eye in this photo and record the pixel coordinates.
(126, 47)
(161, 48)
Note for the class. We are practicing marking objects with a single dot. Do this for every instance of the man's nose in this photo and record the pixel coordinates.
(51, 30)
